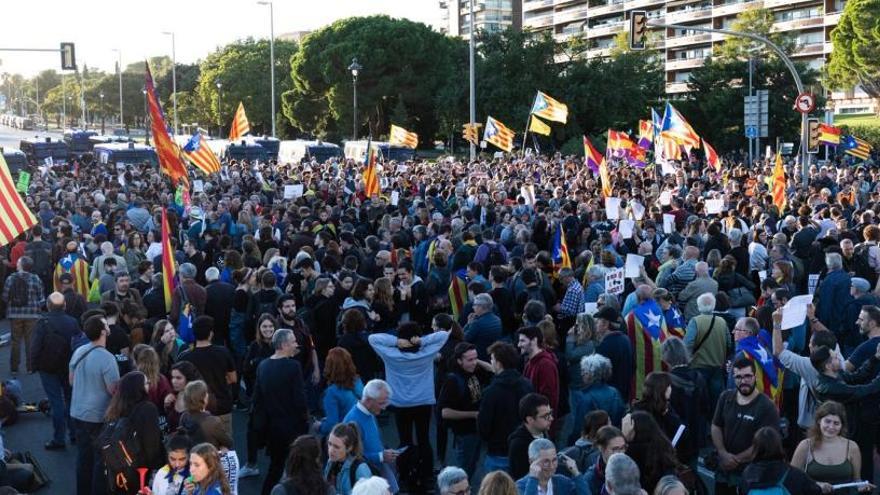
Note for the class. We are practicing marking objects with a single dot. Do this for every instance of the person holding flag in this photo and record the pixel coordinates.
(755, 344)
(647, 330)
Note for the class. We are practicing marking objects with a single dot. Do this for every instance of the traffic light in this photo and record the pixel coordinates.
(68, 56)
(812, 135)
(471, 133)
(638, 27)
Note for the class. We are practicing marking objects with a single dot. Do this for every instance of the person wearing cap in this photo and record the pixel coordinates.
(853, 334)
(616, 346)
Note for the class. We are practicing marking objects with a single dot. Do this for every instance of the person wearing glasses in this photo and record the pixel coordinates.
(739, 414)
(453, 481)
(542, 477)
(537, 417)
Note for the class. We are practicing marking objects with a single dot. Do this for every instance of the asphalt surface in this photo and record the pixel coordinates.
(10, 138)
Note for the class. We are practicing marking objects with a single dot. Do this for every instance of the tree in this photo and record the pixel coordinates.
(243, 70)
(396, 72)
(855, 59)
(714, 106)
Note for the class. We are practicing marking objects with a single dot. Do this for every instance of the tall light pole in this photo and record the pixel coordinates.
(219, 110)
(119, 69)
(63, 103)
(173, 77)
(101, 95)
(146, 114)
(355, 69)
(473, 79)
(271, 58)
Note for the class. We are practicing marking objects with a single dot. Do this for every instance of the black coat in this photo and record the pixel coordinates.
(218, 305)
(41, 357)
(766, 474)
(499, 410)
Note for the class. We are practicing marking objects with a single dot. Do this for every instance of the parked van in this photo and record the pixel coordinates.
(300, 149)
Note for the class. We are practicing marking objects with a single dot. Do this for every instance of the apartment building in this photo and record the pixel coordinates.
(683, 50)
(489, 16)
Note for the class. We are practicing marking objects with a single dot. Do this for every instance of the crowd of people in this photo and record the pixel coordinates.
(473, 298)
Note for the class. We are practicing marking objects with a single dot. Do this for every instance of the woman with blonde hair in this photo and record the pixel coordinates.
(206, 473)
(497, 483)
(146, 360)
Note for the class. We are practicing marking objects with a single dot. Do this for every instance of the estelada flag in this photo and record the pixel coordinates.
(678, 129)
(829, 135)
(170, 156)
(402, 137)
(169, 267)
(537, 126)
(15, 216)
(458, 293)
(371, 179)
(712, 156)
(592, 157)
(78, 268)
(778, 184)
(200, 155)
(646, 329)
(498, 134)
(856, 147)
(605, 177)
(768, 370)
(549, 109)
(560, 256)
(240, 125)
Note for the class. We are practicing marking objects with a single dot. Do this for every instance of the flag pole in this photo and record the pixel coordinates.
(526, 134)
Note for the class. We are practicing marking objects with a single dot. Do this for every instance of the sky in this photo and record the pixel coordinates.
(135, 27)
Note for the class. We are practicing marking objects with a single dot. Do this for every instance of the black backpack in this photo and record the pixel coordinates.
(862, 266)
(56, 350)
(41, 257)
(120, 450)
(494, 258)
(18, 291)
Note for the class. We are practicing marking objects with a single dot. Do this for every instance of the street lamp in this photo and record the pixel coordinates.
(119, 69)
(219, 108)
(271, 58)
(101, 95)
(146, 113)
(355, 69)
(173, 77)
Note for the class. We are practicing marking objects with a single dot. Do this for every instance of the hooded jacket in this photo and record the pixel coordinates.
(543, 371)
(499, 410)
(766, 474)
(518, 451)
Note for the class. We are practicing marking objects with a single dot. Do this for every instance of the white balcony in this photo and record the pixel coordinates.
(610, 8)
(636, 4)
(681, 16)
(605, 29)
(565, 2)
(771, 4)
(694, 39)
(832, 19)
(569, 15)
(685, 63)
(536, 5)
(599, 52)
(677, 87)
(735, 8)
(539, 21)
(797, 24)
(811, 49)
(716, 37)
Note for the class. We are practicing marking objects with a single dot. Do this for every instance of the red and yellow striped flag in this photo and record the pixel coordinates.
(402, 137)
(168, 265)
(779, 184)
(200, 155)
(240, 125)
(458, 293)
(170, 159)
(15, 216)
(711, 156)
(371, 178)
(606, 179)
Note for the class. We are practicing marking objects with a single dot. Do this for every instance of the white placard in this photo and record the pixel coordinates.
(762, 275)
(49, 161)
(633, 265)
(259, 176)
(852, 484)
(395, 198)
(288, 191)
(638, 210)
(626, 228)
(121, 180)
(298, 190)
(795, 311)
(714, 206)
(612, 208)
(198, 186)
(403, 168)
(812, 283)
(614, 281)
(591, 308)
(528, 193)
(668, 223)
(665, 198)
(667, 168)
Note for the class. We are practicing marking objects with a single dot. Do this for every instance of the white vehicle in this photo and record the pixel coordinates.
(300, 149)
(357, 151)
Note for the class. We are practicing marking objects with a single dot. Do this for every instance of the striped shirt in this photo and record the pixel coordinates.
(35, 301)
(571, 303)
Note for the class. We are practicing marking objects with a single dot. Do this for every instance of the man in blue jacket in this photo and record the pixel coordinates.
(484, 326)
(833, 294)
(376, 397)
(542, 477)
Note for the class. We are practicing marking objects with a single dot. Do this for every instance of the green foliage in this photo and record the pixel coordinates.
(243, 70)
(856, 42)
(403, 61)
(871, 134)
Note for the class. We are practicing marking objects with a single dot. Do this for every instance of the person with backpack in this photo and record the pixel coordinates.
(490, 253)
(40, 252)
(52, 344)
(130, 438)
(770, 474)
(93, 374)
(345, 462)
(24, 297)
(302, 471)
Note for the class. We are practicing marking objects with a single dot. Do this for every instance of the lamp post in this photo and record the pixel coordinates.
(146, 113)
(219, 108)
(355, 69)
(119, 69)
(271, 59)
(101, 95)
(173, 77)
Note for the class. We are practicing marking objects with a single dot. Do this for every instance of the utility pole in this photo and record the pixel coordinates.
(271, 59)
(173, 77)
(473, 79)
(119, 69)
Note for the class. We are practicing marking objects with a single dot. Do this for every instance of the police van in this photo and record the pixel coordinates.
(15, 159)
(39, 149)
(122, 154)
(270, 144)
(80, 143)
(246, 149)
(300, 149)
(357, 151)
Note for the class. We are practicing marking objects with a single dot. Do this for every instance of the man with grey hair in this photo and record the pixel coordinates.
(374, 399)
(280, 394)
(374, 485)
(218, 304)
(453, 481)
(572, 302)
(106, 252)
(187, 292)
(701, 284)
(484, 326)
(684, 274)
(739, 252)
(622, 476)
(707, 338)
(595, 283)
(542, 477)
(834, 295)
